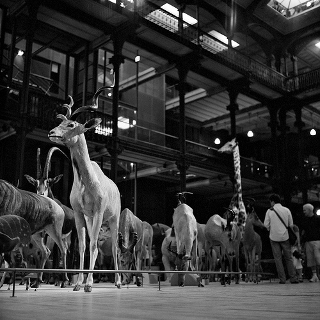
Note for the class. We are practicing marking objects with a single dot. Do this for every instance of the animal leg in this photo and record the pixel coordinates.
(81, 231)
(57, 238)
(93, 227)
(253, 264)
(113, 224)
(45, 253)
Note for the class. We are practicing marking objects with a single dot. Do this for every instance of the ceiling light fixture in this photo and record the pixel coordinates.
(313, 132)
(250, 134)
(217, 141)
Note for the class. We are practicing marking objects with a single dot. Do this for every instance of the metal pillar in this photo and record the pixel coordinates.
(116, 61)
(233, 107)
(181, 164)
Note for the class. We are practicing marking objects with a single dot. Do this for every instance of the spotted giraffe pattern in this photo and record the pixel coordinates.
(236, 201)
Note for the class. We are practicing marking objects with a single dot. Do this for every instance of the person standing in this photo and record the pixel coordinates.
(279, 238)
(310, 232)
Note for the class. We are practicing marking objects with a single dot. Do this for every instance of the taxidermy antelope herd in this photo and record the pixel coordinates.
(94, 197)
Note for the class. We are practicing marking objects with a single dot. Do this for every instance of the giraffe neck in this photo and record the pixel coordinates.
(237, 178)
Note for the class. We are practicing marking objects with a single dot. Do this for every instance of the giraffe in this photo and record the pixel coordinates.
(94, 197)
(236, 201)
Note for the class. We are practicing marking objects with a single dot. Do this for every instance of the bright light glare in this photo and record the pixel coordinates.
(313, 132)
(317, 44)
(123, 123)
(250, 134)
(173, 10)
(223, 38)
(318, 212)
(20, 53)
(217, 141)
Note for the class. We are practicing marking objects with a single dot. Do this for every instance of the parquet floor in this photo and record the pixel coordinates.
(266, 300)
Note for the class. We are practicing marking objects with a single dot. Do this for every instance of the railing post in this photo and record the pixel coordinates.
(14, 283)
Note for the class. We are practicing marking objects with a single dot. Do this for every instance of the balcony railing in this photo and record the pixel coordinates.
(42, 112)
(226, 54)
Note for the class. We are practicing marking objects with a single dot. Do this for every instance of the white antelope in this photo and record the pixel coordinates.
(185, 228)
(134, 238)
(94, 197)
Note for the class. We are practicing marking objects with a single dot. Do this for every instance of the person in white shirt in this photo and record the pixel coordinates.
(279, 238)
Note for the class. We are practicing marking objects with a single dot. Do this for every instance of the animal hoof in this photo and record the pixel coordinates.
(118, 285)
(76, 287)
(87, 288)
(139, 282)
(63, 285)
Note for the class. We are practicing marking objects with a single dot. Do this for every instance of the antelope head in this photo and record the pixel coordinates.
(126, 253)
(42, 182)
(69, 130)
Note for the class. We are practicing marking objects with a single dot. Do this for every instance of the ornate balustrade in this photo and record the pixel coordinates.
(228, 55)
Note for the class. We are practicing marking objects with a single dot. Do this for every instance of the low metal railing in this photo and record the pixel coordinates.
(157, 272)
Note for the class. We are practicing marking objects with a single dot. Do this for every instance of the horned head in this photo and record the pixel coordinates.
(169, 248)
(124, 249)
(42, 181)
(70, 128)
(249, 204)
(182, 197)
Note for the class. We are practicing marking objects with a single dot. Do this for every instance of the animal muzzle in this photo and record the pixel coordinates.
(54, 138)
(184, 257)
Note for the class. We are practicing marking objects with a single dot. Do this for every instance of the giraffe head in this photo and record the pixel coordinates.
(229, 146)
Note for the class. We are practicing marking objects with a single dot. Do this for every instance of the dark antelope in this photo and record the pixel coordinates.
(43, 186)
(15, 233)
(252, 245)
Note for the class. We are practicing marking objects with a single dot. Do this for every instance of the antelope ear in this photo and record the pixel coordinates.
(31, 180)
(56, 179)
(92, 123)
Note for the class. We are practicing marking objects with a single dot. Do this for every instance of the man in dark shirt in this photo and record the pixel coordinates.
(311, 235)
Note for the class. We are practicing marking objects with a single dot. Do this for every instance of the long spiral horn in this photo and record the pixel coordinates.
(48, 161)
(69, 107)
(38, 164)
(95, 96)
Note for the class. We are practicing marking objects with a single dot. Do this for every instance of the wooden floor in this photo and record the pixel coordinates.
(266, 300)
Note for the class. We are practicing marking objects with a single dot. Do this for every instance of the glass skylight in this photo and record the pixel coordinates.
(173, 10)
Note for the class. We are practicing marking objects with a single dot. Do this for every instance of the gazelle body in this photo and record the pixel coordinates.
(94, 197)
